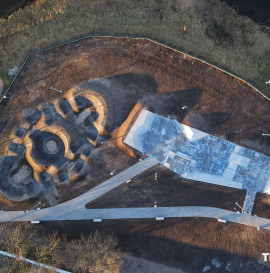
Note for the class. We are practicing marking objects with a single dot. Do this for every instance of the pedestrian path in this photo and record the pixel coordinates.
(158, 213)
(67, 209)
(75, 209)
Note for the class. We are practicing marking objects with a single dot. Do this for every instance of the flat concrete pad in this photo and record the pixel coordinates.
(199, 156)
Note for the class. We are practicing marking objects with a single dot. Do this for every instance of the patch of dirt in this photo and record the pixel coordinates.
(187, 244)
(6, 204)
(138, 265)
(170, 190)
(104, 160)
(127, 71)
(262, 205)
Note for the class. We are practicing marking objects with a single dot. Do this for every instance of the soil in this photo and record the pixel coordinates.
(262, 205)
(104, 160)
(187, 244)
(125, 71)
(170, 190)
(136, 69)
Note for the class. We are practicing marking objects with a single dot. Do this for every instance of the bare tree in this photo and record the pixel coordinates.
(95, 254)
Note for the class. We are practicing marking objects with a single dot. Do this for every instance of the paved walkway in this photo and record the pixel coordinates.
(75, 208)
(137, 213)
(70, 208)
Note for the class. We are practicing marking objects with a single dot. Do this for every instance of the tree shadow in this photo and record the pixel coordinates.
(175, 104)
(149, 239)
(210, 121)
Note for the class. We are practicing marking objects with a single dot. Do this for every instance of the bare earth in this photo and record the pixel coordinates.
(125, 71)
(214, 31)
(137, 265)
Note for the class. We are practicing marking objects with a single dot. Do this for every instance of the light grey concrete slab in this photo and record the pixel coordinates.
(249, 201)
(200, 156)
(137, 213)
(75, 208)
(70, 208)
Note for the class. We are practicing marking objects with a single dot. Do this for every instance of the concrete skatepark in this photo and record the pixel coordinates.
(51, 146)
(199, 156)
(168, 151)
(75, 208)
(70, 126)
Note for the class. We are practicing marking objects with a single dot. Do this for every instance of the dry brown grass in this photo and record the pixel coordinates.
(208, 234)
(213, 31)
(25, 240)
(94, 253)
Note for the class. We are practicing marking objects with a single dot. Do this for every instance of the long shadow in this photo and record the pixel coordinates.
(174, 104)
(210, 121)
(136, 238)
(123, 91)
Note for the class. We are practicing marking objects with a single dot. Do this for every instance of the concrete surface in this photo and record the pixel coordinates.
(75, 208)
(199, 156)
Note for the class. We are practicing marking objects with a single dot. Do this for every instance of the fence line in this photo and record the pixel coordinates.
(33, 262)
(134, 38)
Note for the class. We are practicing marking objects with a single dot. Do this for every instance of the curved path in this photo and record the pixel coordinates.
(75, 208)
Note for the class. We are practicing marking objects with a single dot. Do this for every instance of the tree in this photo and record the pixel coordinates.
(95, 254)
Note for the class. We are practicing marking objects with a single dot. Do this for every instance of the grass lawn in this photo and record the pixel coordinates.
(213, 32)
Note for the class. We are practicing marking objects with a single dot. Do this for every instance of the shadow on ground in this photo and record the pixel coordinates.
(151, 240)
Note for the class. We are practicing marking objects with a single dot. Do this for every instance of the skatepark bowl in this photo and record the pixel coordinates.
(52, 144)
